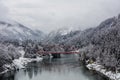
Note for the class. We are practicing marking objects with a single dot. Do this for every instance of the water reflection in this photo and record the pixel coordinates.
(67, 68)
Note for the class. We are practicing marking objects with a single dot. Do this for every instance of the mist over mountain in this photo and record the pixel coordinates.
(13, 30)
(100, 44)
(85, 34)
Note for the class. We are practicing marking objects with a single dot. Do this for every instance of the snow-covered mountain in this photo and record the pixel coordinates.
(62, 35)
(15, 30)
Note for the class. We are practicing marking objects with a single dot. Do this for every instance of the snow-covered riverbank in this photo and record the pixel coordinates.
(19, 63)
(101, 69)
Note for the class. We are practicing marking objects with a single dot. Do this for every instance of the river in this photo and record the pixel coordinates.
(66, 68)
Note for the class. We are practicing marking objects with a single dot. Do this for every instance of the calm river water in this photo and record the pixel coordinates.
(66, 68)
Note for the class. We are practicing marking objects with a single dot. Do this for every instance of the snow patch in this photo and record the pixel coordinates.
(101, 69)
(22, 62)
(65, 31)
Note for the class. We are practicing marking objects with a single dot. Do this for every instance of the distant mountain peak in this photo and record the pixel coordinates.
(14, 30)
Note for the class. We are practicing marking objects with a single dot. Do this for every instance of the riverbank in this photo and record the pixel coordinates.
(67, 67)
(19, 63)
(99, 68)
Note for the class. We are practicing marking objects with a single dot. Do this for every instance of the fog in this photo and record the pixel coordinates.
(48, 15)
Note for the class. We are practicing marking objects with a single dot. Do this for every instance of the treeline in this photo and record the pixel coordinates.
(8, 52)
(103, 43)
(100, 44)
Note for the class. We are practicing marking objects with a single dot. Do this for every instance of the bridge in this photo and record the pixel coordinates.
(57, 54)
(49, 52)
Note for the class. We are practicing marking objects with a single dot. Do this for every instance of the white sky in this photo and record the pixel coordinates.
(47, 15)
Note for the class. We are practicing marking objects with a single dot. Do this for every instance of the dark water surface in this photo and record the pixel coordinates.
(66, 68)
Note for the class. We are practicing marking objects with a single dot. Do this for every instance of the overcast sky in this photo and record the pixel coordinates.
(48, 15)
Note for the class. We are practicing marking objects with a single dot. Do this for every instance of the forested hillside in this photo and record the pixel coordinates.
(100, 44)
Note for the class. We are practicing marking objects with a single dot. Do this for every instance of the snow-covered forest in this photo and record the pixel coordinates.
(100, 44)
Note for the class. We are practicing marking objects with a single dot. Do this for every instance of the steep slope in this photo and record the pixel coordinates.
(100, 44)
(103, 43)
(14, 30)
(61, 36)
(94, 35)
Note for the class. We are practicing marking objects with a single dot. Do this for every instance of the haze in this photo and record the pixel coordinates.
(48, 15)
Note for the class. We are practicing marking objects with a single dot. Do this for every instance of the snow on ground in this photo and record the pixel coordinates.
(21, 62)
(101, 69)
